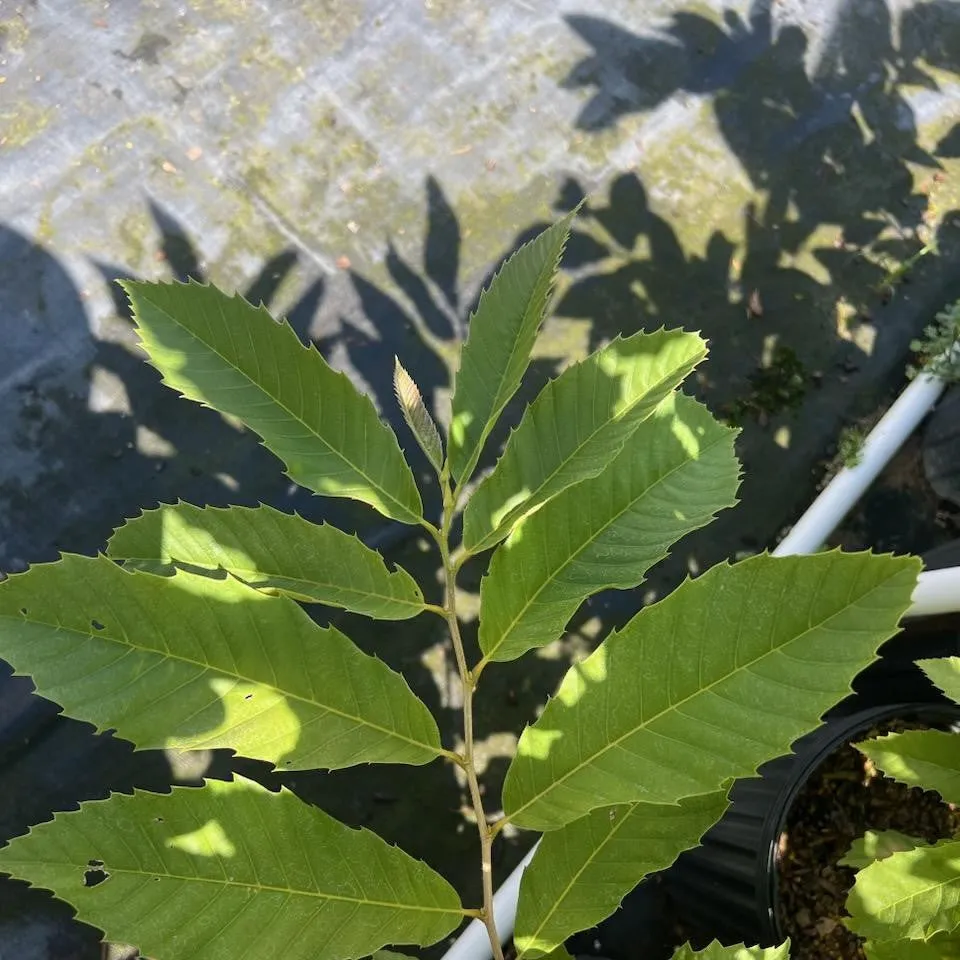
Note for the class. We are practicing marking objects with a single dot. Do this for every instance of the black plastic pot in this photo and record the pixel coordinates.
(728, 887)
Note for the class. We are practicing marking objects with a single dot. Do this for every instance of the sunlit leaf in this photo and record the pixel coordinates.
(945, 673)
(581, 872)
(914, 894)
(940, 947)
(269, 550)
(722, 675)
(674, 473)
(876, 845)
(188, 661)
(576, 426)
(233, 872)
(500, 337)
(716, 951)
(929, 759)
(233, 357)
(417, 416)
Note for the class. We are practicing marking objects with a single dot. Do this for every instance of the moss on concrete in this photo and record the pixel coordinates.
(334, 21)
(696, 183)
(23, 123)
(137, 234)
(14, 33)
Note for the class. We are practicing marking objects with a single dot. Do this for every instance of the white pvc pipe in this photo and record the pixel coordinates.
(474, 943)
(937, 591)
(825, 513)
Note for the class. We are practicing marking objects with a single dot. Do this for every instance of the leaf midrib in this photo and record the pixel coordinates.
(511, 516)
(376, 486)
(661, 479)
(239, 677)
(673, 707)
(241, 884)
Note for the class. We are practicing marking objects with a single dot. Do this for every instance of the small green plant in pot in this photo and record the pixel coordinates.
(189, 632)
(905, 901)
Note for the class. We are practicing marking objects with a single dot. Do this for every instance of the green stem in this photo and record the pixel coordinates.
(451, 565)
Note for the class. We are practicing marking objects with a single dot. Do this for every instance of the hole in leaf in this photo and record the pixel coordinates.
(158, 819)
(23, 611)
(94, 863)
(249, 696)
(96, 624)
(94, 876)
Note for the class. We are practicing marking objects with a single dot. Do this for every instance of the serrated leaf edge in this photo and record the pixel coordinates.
(393, 569)
(284, 323)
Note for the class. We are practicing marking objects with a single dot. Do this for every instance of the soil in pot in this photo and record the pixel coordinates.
(843, 799)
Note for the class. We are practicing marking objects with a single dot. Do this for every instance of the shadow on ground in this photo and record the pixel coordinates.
(849, 224)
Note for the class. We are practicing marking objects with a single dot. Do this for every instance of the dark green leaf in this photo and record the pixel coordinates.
(499, 340)
(581, 872)
(233, 357)
(233, 872)
(193, 662)
(704, 686)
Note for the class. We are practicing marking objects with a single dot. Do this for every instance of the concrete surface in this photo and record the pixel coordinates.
(783, 176)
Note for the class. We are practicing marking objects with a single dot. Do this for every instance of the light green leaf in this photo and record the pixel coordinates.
(877, 845)
(418, 418)
(940, 947)
(575, 427)
(929, 759)
(674, 473)
(945, 673)
(716, 951)
(271, 551)
(500, 337)
(233, 357)
(233, 872)
(191, 662)
(722, 675)
(914, 894)
(581, 872)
